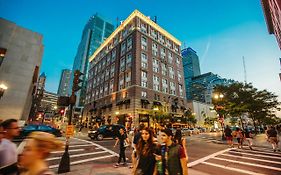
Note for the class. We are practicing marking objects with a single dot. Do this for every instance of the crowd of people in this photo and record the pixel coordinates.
(154, 156)
(29, 157)
(247, 135)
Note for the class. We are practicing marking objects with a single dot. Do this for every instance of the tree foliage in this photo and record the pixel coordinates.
(240, 98)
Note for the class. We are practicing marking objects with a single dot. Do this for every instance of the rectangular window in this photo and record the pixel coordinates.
(171, 72)
(121, 82)
(144, 75)
(123, 48)
(144, 94)
(129, 61)
(108, 60)
(128, 79)
(113, 57)
(180, 90)
(143, 43)
(129, 43)
(164, 69)
(179, 76)
(112, 70)
(143, 27)
(155, 65)
(162, 53)
(154, 49)
(111, 86)
(122, 64)
(170, 57)
(143, 61)
(144, 83)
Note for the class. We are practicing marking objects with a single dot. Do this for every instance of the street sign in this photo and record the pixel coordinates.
(69, 131)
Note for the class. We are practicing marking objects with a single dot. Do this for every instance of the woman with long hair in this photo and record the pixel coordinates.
(37, 148)
(145, 149)
(180, 140)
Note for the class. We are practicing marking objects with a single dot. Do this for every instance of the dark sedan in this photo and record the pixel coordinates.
(105, 131)
(25, 131)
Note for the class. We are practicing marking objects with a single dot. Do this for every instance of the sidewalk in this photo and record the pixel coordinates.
(105, 169)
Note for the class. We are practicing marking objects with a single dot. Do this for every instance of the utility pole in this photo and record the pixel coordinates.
(64, 165)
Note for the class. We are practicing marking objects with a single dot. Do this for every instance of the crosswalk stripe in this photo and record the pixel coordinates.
(232, 169)
(74, 146)
(74, 150)
(250, 158)
(247, 163)
(77, 155)
(252, 154)
(274, 154)
(83, 161)
(207, 157)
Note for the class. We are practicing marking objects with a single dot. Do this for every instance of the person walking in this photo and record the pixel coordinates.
(273, 138)
(228, 136)
(239, 137)
(37, 148)
(173, 158)
(145, 159)
(249, 138)
(122, 139)
(178, 139)
(9, 157)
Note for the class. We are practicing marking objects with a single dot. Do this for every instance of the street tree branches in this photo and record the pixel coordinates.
(239, 99)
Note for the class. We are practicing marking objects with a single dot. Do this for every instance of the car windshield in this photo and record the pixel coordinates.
(103, 127)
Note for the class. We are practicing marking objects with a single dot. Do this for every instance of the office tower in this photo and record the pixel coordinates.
(64, 82)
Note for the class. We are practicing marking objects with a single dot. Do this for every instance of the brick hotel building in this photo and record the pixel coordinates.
(136, 75)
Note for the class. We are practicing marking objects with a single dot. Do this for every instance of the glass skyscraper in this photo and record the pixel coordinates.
(191, 68)
(95, 32)
(64, 82)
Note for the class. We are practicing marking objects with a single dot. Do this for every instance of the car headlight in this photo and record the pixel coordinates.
(91, 132)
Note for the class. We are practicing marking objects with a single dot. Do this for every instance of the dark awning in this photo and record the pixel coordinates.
(144, 101)
(109, 105)
(157, 103)
(127, 101)
(119, 103)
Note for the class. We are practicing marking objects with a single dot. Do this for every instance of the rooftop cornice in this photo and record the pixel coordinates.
(135, 13)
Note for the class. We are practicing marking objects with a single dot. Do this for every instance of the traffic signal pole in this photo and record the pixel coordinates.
(64, 165)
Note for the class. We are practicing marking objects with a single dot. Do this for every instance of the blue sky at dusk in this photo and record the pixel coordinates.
(221, 32)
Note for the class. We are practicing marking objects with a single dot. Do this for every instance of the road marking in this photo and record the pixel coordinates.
(207, 157)
(74, 150)
(83, 161)
(257, 155)
(247, 163)
(99, 146)
(78, 155)
(232, 169)
(74, 146)
(272, 155)
(250, 158)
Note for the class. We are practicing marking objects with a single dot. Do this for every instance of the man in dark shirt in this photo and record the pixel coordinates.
(228, 135)
(273, 138)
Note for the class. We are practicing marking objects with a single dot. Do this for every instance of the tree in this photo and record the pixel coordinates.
(240, 98)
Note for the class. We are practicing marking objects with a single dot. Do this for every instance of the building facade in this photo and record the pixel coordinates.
(64, 82)
(21, 57)
(191, 68)
(201, 87)
(136, 75)
(272, 13)
(95, 32)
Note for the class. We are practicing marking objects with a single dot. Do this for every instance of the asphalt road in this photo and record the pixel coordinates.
(205, 154)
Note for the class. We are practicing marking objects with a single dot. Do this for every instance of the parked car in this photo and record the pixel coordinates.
(105, 131)
(26, 130)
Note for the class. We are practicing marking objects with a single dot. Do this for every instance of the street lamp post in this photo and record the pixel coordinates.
(3, 87)
(221, 117)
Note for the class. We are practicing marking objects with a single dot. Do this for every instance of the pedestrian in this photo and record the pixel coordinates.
(9, 156)
(37, 148)
(137, 136)
(273, 138)
(172, 159)
(239, 136)
(249, 138)
(180, 140)
(145, 149)
(123, 141)
(228, 135)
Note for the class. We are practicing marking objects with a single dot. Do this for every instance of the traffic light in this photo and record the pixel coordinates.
(76, 81)
(61, 112)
